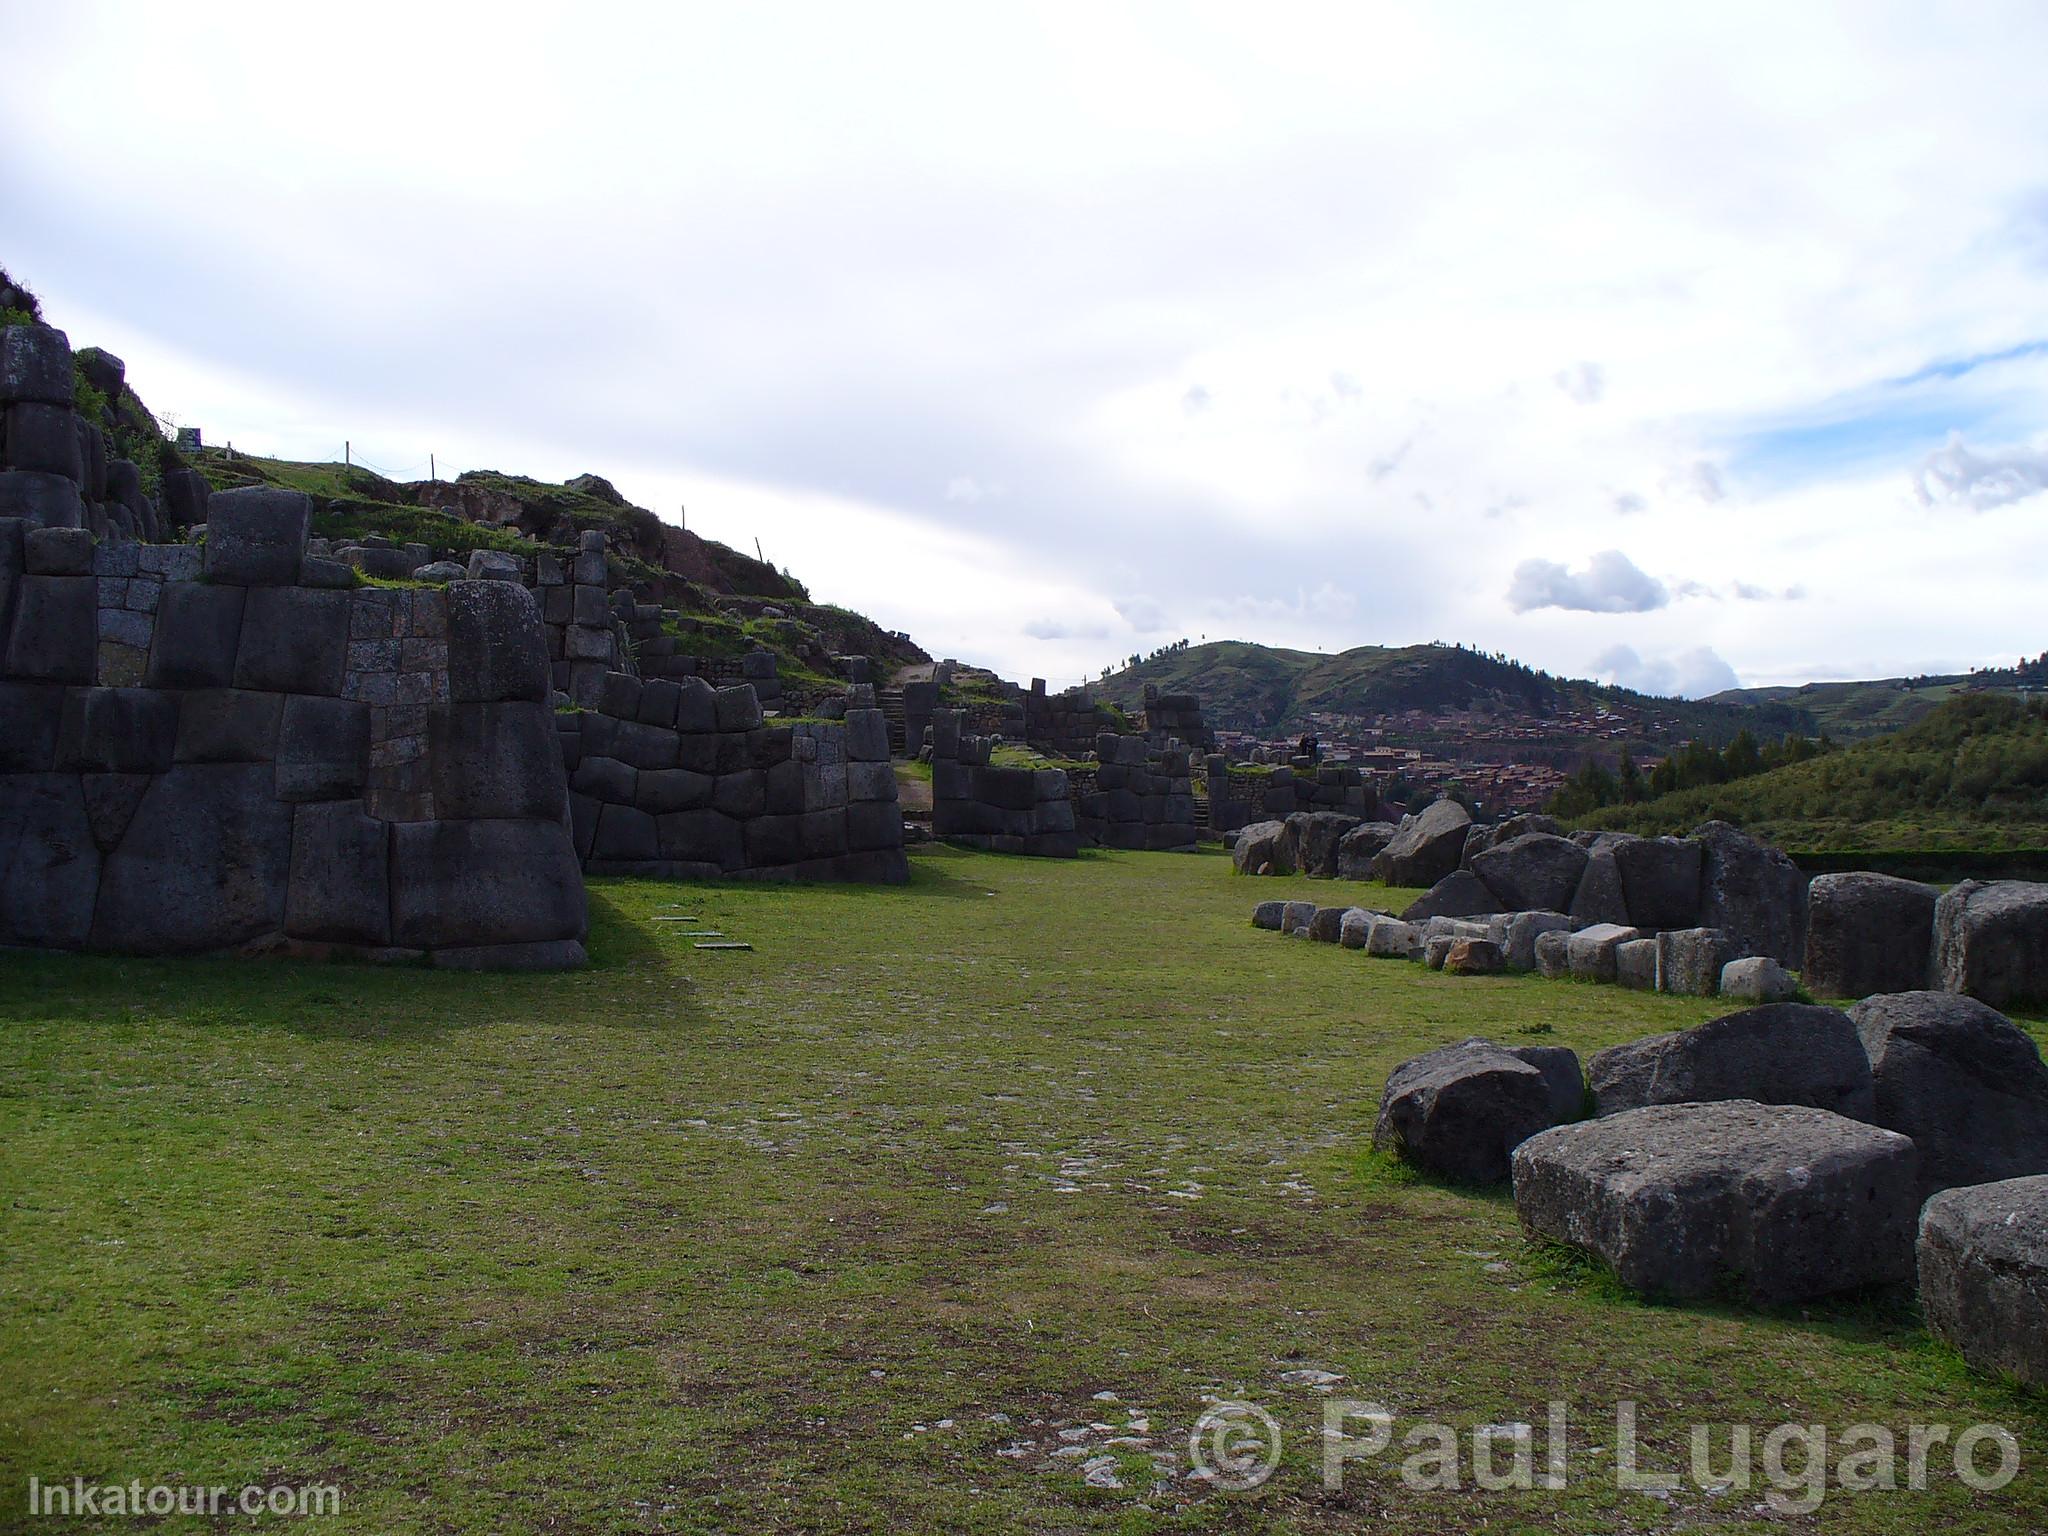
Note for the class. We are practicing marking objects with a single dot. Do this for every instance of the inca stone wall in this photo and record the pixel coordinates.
(239, 750)
(673, 779)
(1064, 724)
(1143, 797)
(1172, 718)
(1239, 795)
(1004, 808)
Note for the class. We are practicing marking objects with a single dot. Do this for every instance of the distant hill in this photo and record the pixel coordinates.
(1973, 774)
(1268, 690)
(1855, 711)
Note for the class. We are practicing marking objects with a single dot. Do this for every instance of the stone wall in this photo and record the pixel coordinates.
(1238, 795)
(1064, 724)
(1143, 797)
(239, 750)
(671, 778)
(985, 805)
(1171, 718)
(54, 468)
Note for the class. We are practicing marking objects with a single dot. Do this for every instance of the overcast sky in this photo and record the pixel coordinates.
(1673, 348)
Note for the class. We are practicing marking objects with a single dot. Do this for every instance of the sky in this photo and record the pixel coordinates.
(1686, 347)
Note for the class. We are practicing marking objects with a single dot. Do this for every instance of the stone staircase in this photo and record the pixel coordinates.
(890, 701)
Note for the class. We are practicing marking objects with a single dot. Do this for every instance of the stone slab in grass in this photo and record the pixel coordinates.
(1779, 1203)
(1460, 1111)
(1983, 1263)
(1787, 1053)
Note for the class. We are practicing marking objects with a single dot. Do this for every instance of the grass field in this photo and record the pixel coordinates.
(850, 1232)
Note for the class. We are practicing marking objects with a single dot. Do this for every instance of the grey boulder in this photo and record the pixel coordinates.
(1536, 872)
(1786, 1202)
(1461, 1111)
(1264, 848)
(1426, 846)
(1983, 1264)
(1990, 940)
(1788, 1053)
(1867, 933)
(1961, 1079)
(1752, 892)
(1757, 979)
(1357, 849)
(1459, 894)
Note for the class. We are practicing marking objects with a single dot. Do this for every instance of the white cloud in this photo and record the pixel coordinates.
(1583, 382)
(967, 491)
(1610, 583)
(1956, 475)
(1144, 615)
(1196, 400)
(1691, 674)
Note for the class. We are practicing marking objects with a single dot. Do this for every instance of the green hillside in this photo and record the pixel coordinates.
(1855, 711)
(1972, 775)
(1263, 688)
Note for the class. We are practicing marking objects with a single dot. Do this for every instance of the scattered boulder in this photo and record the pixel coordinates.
(440, 572)
(1264, 848)
(1753, 892)
(1479, 839)
(1990, 940)
(1757, 979)
(1459, 1112)
(1426, 846)
(1983, 1263)
(1391, 938)
(1635, 964)
(1690, 961)
(1474, 957)
(256, 536)
(1660, 880)
(1867, 933)
(1521, 931)
(1788, 1202)
(1459, 894)
(1788, 1053)
(1296, 914)
(1552, 952)
(1436, 949)
(1537, 872)
(1317, 835)
(1961, 1079)
(1267, 914)
(1327, 924)
(1590, 953)
(1356, 928)
(1357, 849)
(1599, 898)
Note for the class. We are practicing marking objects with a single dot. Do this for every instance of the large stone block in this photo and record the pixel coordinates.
(293, 640)
(1635, 965)
(1536, 872)
(496, 652)
(1784, 1053)
(1459, 894)
(58, 551)
(772, 840)
(204, 865)
(198, 636)
(1599, 898)
(1757, 979)
(1784, 1202)
(1752, 892)
(1357, 849)
(1690, 961)
(1521, 931)
(40, 499)
(55, 634)
(35, 364)
(1868, 933)
(1991, 941)
(323, 748)
(31, 721)
(702, 837)
(871, 781)
(49, 861)
(463, 883)
(663, 790)
(111, 800)
(696, 706)
(1961, 1079)
(867, 736)
(742, 795)
(1317, 835)
(873, 824)
(1264, 848)
(625, 834)
(738, 708)
(496, 761)
(644, 746)
(1426, 846)
(43, 438)
(228, 725)
(340, 890)
(1461, 1111)
(1590, 952)
(256, 536)
(186, 495)
(1983, 1268)
(1660, 881)
(118, 730)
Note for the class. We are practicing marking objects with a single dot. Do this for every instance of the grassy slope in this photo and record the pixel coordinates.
(1256, 687)
(705, 1241)
(1855, 711)
(1974, 775)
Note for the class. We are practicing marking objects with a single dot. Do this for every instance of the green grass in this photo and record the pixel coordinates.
(714, 1242)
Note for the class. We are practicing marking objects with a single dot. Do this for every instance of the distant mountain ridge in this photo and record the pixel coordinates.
(1269, 690)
